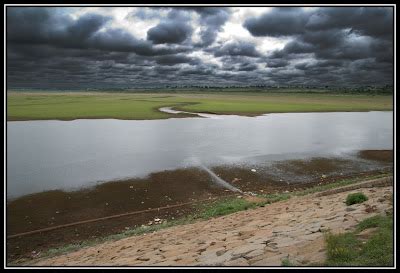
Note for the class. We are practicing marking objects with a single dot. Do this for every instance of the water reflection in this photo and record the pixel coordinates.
(45, 155)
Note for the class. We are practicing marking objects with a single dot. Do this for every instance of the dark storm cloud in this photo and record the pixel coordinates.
(331, 41)
(371, 21)
(324, 46)
(279, 22)
(277, 63)
(236, 49)
(170, 32)
(174, 30)
(247, 67)
(175, 59)
(212, 21)
(44, 26)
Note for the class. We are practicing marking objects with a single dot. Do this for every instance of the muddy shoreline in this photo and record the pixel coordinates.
(52, 208)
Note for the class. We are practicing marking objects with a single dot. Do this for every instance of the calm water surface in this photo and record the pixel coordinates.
(46, 155)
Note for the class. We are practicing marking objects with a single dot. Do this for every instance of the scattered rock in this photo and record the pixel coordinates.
(254, 254)
(266, 242)
(143, 259)
(260, 237)
(304, 262)
(366, 234)
(370, 209)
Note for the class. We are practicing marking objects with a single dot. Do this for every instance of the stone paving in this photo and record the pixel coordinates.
(292, 229)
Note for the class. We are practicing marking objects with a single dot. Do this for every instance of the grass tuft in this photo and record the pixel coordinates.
(356, 198)
(286, 262)
(348, 250)
(225, 207)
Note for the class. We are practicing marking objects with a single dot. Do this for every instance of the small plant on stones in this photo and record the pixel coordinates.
(355, 198)
(286, 262)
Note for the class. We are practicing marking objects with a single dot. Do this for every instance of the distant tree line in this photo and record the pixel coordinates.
(384, 90)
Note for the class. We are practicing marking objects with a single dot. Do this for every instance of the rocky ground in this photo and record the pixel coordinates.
(292, 229)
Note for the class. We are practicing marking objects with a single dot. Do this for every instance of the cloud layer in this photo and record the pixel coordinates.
(148, 47)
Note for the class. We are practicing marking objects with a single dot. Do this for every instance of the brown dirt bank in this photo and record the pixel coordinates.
(49, 209)
(377, 155)
(292, 229)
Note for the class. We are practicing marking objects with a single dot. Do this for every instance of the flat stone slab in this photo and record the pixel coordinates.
(258, 237)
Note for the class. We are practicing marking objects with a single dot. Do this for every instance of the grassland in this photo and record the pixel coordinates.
(347, 249)
(84, 105)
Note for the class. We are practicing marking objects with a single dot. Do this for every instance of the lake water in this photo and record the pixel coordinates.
(47, 155)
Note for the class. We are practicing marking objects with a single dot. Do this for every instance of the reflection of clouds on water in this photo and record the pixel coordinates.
(64, 154)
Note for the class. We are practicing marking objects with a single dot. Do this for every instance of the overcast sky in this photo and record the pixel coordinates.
(83, 47)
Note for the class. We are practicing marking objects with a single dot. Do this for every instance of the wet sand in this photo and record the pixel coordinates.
(52, 208)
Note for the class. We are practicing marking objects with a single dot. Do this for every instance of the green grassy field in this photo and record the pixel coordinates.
(76, 105)
(347, 250)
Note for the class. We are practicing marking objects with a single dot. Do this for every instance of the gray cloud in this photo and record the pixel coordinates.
(170, 32)
(236, 49)
(331, 41)
(326, 46)
(279, 22)
(212, 21)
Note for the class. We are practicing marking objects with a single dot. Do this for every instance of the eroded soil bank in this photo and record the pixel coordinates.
(292, 230)
(52, 208)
